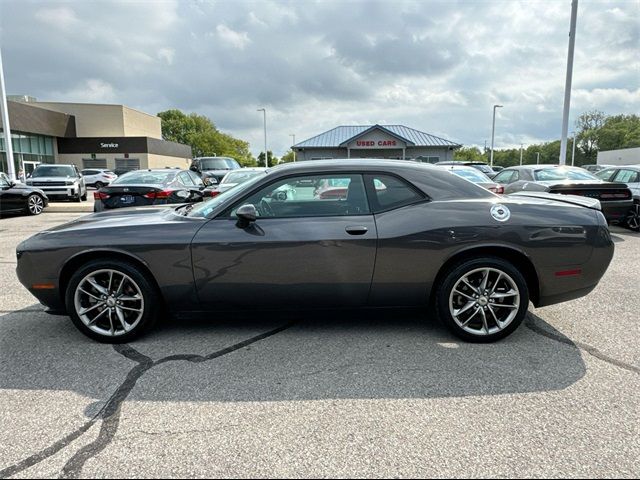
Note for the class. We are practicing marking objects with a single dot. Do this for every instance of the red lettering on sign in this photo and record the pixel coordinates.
(363, 143)
(387, 143)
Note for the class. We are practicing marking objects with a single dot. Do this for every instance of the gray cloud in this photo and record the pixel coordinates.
(436, 66)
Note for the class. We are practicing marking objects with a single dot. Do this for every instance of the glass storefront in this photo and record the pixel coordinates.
(27, 147)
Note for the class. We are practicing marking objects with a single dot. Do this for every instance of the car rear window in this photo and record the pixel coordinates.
(563, 174)
(218, 164)
(145, 177)
(471, 174)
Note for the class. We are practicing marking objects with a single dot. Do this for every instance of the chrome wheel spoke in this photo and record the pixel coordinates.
(475, 301)
(115, 318)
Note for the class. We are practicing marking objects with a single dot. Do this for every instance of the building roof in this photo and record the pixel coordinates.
(340, 136)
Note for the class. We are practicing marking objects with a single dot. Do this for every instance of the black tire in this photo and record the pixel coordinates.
(84, 197)
(451, 278)
(632, 221)
(151, 295)
(32, 200)
(98, 185)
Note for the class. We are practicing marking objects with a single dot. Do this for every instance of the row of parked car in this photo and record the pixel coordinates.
(617, 188)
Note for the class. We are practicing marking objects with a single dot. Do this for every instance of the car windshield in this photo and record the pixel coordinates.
(241, 176)
(560, 173)
(205, 208)
(218, 164)
(472, 175)
(53, 171)
(145, 177)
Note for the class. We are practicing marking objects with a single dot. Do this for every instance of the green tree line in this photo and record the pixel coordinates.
(594, 131)
(205, 140)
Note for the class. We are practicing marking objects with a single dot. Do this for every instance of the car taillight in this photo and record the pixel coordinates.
(214, 193)
(499, 189)
(617, 196)
(158, 195)
(100, 196)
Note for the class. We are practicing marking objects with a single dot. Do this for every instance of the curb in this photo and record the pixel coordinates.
(56, 207)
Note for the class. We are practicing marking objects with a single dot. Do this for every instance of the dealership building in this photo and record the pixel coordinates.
(115, 137)
(376, 141)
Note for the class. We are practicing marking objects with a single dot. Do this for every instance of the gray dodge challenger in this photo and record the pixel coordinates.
(405, 234)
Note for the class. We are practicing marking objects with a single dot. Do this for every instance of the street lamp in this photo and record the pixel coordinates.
(537, 158)
(294, 142)
(573, 150)
(266, 155)
(521, 145)
(493, 130)
(4, 114)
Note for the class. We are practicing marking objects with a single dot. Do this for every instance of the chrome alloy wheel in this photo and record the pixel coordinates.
(484, 301)
(35, 204)
(109, 302)
(633, 218)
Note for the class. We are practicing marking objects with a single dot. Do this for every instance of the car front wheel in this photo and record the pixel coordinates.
(35, 204)
(111, 301)
(482, 300)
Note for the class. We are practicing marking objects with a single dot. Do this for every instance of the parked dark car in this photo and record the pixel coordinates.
(213, 169)
(141, 188)
(20, 198)
(483, 167)
(427, 238)
(615, 198)
(630, 176)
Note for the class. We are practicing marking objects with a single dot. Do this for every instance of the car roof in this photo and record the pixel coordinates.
(616, 167)
(542, 166)
(461, 162)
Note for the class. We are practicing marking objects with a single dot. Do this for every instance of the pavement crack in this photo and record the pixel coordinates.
(110, 412)
(532, 323)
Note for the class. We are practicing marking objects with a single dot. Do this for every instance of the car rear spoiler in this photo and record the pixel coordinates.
(592, 203)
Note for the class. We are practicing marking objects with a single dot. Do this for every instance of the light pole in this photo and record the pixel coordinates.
(493, 130)
(537, 158)
(294, 142)
(521, 154)
(567, 86)
(573, 150)
(266, 154)
(6, 127)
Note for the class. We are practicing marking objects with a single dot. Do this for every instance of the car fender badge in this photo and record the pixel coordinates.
(500, 213)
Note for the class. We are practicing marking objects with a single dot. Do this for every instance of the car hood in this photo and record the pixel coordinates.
(210, 173)
(121, 217)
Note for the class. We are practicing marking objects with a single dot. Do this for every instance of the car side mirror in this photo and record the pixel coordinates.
(194, 168)
(246, 214)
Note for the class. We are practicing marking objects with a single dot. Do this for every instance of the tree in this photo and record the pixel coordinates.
(287, 157)
(201, 134)
(273, 161)
(468, 154)
(620, 131)
(588, 127)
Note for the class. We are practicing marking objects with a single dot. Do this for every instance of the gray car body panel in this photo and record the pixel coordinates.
(211, 263)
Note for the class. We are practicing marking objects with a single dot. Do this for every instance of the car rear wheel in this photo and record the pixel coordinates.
(633, 218)
(111, 301)
(482, 300)
(35, 204)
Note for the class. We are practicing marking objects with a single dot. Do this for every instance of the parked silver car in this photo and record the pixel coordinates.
(630, 175)
(98, 177)
(59, 181)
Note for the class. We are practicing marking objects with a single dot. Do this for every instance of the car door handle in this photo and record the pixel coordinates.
(356, 230)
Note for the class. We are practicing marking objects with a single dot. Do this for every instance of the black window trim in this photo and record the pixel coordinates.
(372, 195)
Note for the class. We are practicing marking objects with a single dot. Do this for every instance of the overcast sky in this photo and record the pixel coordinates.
(435, 66)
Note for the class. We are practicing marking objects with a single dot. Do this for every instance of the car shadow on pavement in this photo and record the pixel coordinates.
(285, 357)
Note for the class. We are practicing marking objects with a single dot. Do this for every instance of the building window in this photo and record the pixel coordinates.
(124, 165)
(424, 159)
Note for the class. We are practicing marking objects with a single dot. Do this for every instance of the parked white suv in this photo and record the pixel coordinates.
(98, 177)
(59, 181)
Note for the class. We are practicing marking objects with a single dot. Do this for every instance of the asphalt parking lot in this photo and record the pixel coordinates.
(309, 395)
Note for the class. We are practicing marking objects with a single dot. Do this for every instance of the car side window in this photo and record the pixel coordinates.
(388, 192)
(309, 196)
(186, 179)
(3, 182)
(196, 179)
(606, 175)
(506, 177)
(626, 176)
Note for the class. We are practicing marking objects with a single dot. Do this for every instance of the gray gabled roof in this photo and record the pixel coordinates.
(338, 136)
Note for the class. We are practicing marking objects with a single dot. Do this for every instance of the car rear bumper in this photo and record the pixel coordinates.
(616, 211)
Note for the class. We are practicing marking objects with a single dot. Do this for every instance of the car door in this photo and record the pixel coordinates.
(507, 178)
(302, 251)
(10, 198)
